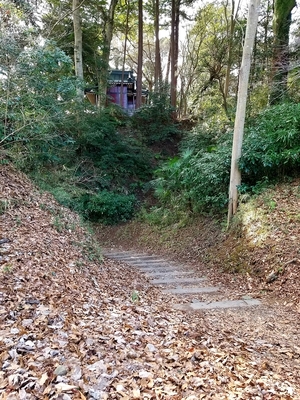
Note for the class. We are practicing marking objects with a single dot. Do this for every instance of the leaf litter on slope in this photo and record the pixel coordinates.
(70, 330)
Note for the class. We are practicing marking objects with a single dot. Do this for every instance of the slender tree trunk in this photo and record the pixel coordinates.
(281, 29)
(174, 49)
(78, 45)
(168, 67)
(124, 55)
(157, 71)
(108, 28)
(231, 30)
(140, 58)
(235, 174)
(266, 37)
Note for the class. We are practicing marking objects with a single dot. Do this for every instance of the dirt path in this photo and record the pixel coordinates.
(236, 353)
(266, 336)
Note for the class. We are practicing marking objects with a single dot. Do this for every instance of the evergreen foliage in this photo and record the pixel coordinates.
(101, 170)
(103, 206)
(35, 93)
(154, 121)
(197, 181)
(272, 144)
(99, 161)
(103, 139)
(108, 207)
(79, 153)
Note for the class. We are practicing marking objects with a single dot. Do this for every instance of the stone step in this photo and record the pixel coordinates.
(193, 290)
(139, 260)
(168, 273)
(216, 305)
(162, 273)
(172, 281)
(146, 263)
(126, 257)
(143, 263)
(162, 269)
(154, 267)
(108, 253)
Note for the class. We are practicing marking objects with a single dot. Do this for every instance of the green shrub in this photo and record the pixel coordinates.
(198, 180)
(34, 101)
(154, 121)
(67, 197)
(206, 136)
(113, 154)
(103, 206)
(195, 181)
(271, 149)
(107, 207)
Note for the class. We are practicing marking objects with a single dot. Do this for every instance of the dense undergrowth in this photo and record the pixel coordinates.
(106, 170)
(197, 180)
(104, 164)
(98, 162)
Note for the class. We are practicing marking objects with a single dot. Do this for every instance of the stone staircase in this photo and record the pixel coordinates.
(174, 279)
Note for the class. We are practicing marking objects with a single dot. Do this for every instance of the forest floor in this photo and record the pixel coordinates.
(72, 327)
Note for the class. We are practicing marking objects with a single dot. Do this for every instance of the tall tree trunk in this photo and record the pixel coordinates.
(157, 71)
(174, 49)
(124, 54)
(235, 173)
(168, 66)
(266, 36)
(108, 18)
(77, 45)
(230, 31)
(140, 58)
(281, 29)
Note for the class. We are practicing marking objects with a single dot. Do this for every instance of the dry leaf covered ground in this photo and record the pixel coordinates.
(74, 326)
(260, 254)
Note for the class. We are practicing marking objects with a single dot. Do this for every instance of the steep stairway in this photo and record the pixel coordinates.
(174, 278)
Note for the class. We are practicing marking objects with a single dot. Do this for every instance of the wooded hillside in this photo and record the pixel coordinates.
(146, 166)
